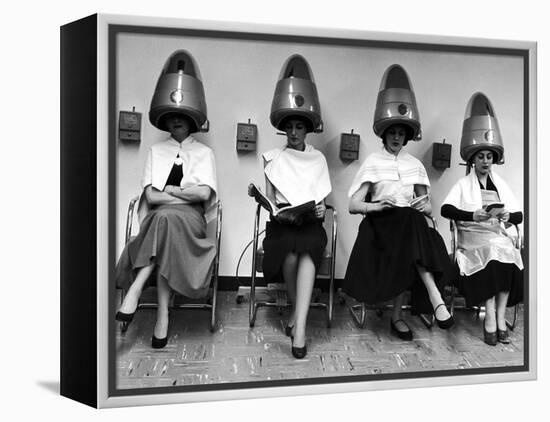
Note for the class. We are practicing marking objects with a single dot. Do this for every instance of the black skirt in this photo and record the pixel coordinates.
(282, 239)
(494, 278)
(383, 263)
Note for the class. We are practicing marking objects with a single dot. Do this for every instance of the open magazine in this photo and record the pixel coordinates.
(422, 199)
(289, 210)
(491, 203)
(495, 209)
(401, 201)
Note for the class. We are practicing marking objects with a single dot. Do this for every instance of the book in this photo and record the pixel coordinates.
(289, 210)
(495, 209)
(422, 199)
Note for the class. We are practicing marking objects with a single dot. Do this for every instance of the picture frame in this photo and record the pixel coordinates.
(91, 52)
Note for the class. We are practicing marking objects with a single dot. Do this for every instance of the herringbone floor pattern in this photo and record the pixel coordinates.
(236, 353)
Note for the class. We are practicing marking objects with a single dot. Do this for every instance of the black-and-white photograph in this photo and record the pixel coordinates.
(299, 209)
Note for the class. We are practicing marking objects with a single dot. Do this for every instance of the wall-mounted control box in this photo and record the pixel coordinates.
(129, 126)
(247, 135)
(349, 146)
(441, 155)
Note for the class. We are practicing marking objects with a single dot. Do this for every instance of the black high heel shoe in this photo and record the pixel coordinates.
(445, 323)
(288, 331)
(298, 352)
(124, 317)
(489, 338)
(158, 343)
(503, 336)
(403, 335)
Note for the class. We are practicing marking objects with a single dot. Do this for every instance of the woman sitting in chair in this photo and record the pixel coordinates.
(295, 174)
(395, 249)
(179, 186)
(489, 263)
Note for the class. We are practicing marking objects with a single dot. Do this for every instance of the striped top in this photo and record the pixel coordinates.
(391, 175)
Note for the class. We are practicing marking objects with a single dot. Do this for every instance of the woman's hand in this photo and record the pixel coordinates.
(162, 197)
(170, 189)
(504, 215)
(424, 207)
(481, 215)
(383, 204)
(320, 210)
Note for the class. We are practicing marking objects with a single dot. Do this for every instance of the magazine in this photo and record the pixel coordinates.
(289, 210)
(422, 199)
(491, 203)
(495, 209)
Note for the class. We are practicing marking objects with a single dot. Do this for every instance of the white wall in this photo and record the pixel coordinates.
(239, 79)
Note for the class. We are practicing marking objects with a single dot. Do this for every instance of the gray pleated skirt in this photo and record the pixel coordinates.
(174, 238)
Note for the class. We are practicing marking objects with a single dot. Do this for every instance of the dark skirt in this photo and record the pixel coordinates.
(174, 238)
(494, 278)
(383, 263)
(282, 239)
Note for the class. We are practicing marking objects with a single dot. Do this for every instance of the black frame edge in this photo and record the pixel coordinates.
(78, 210)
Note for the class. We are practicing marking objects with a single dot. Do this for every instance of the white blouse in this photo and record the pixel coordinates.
(198, 167)
(391, 175)
(297, 176)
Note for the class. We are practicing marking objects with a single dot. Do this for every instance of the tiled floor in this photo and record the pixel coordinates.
(235, 352)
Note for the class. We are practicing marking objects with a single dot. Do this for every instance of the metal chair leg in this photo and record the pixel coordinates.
(214, 303)
(360, 320)
(330, 302)
(252, 299)
(427, 321)
(252, 302)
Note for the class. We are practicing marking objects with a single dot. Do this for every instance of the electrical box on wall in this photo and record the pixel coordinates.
(247, 133)
(129, 126)
(349, 146)
(441, 155)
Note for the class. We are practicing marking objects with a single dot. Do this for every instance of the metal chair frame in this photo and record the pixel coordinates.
(281, 299)
(478, 309)
(359, 311)
(211, 302)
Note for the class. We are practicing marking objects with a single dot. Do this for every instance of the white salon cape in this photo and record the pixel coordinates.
(391, 175)
(198, 168)
(297, 176)
(481, 242)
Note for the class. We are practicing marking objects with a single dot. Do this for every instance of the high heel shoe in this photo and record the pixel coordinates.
(503, 336)
(124, 317)
(403, 335)
(489, 338)
(158, 343)
(288, 331)
(298, 352)
(445, 323)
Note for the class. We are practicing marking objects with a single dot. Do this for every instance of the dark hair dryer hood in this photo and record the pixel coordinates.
(296, 95)
(480, 130)
(396, 103)
(179, 90)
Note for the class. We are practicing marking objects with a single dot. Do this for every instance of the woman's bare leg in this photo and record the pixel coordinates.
(501, 302)
(304, 288)
(290, 269)
(163, 299)
(397, 312)
(442, 312)
(130, 302)
(490, 315)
